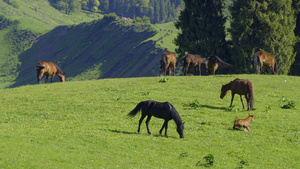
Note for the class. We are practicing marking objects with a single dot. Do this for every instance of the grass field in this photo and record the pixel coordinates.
(84, 124)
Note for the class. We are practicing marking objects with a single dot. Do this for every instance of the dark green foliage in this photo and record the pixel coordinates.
(209, 161)
(286, 104)
(194, 105)
(109, 18)
(295, 69)
(155, 10)
(4, 22)
(262, 25)
(12, 3)
(242, 164)
(203, 32)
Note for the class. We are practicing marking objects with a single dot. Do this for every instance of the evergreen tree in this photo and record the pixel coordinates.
(262, 25)
(295, 68)
(203, 31)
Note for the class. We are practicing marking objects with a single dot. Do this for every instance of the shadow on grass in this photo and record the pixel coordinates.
(214, 107)
(126, 132)
(123, 132)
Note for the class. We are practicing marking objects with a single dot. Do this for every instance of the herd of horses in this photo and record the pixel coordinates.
(212, 63)
(168, 63)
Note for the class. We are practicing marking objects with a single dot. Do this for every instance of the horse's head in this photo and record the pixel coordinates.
(223, 92)
(206, 65)
(180, 129)
(62, 77)
(251, 117)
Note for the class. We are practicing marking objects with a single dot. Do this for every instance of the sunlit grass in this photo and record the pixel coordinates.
(84, 124)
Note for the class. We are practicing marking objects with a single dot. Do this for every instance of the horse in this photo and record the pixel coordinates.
(266, 60)
(49, 69)
(195, 60)
(164, 110)
(243, 123)
(241, 87)
(168, 61)
(214, 62)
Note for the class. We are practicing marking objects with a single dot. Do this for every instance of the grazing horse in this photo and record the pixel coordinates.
(214, 62)
(49, 69)
(195, 60)
(160, 110)
(168, 62)
(266, 60)
(241, 87)
(243, 123)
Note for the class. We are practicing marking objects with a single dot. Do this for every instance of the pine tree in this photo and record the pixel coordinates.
(202, 26)
(262, 25)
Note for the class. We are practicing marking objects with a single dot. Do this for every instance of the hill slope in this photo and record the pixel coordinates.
(90, 50)
(98, 49)
(84, 124)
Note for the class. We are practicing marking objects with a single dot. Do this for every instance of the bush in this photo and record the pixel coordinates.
(110, 17)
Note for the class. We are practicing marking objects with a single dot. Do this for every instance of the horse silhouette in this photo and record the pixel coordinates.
(243, 123)
(168, 62)
(266, 60)
(214, 62)
(48, 69)
(241, 87)
(164, 110)
(194, 60)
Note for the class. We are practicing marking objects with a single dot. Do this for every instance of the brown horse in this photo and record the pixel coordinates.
(243, 123)
(48, 69)
(194, 60)
(214, 62)
(168, 62)
(266, 60)
(241, 87)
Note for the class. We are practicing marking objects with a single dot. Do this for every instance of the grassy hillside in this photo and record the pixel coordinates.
(90, 50)
(99, 49)
(83, 124)
(21, 22)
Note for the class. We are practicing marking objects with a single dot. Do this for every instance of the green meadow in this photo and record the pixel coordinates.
(84, 124)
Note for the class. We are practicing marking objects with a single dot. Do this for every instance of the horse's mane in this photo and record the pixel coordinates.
(175, 114)
(221, 62)
(59, 69)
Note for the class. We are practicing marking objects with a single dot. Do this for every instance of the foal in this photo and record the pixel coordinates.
(243, 123)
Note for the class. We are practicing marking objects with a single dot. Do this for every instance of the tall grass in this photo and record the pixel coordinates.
(85, 125)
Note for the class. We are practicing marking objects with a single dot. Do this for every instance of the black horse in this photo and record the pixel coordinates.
(160, 110)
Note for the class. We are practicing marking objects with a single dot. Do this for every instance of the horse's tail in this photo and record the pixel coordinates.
(39, 67)
(136, 109)
(251, 95)
(276, 67)
(222, 63)
(255, 57)
(59, 69)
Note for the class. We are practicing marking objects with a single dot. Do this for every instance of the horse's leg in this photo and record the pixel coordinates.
(248, 101)
(174, 67)
(140, 122)
(248, 128)
(52, 78)
(46, 78)
(165, 125)
(166, 67)
(200, 69)
(242, 101)
(187, 68)
(147, 123)
(40, 76)
(232, 97)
